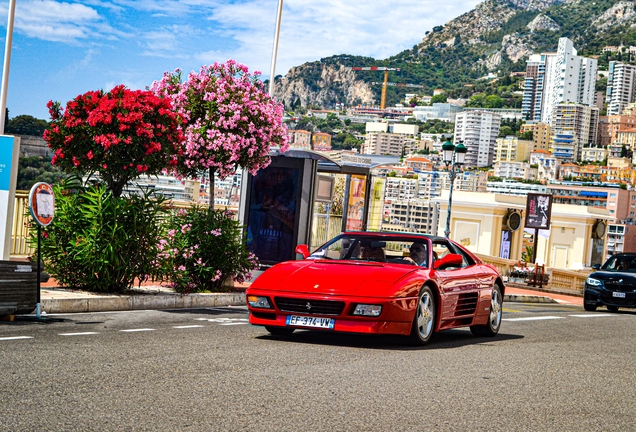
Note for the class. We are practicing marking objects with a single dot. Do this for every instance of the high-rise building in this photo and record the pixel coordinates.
(621, 87)
(574, 125)
(554, 78)
(478, 131)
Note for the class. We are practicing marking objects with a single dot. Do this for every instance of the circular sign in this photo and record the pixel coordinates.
(42, 203)
(514, 221)
(599, 229)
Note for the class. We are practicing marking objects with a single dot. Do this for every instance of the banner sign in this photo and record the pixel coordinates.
(538, 210)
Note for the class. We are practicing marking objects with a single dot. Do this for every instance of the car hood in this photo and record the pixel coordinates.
(332, 277)
(627, 277)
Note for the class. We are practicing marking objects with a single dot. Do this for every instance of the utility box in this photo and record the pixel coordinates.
(18, 287)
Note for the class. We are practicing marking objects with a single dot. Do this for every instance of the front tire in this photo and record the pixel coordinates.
(494, 319)
(424, 321)
(589, 307)
(279, 331)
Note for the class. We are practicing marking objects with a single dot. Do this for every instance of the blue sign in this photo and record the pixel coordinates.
(6, 161)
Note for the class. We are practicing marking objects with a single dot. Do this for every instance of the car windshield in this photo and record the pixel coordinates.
(407, 250)
(621, 263)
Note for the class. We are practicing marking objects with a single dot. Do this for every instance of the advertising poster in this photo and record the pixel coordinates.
(538, 208)
(355, 211)
(506, 237)
(272, 214)
(8, 171)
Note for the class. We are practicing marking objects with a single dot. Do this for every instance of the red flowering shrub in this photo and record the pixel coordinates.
(119, 135)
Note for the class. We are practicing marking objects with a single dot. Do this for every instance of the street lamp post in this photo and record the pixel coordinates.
(453, 156)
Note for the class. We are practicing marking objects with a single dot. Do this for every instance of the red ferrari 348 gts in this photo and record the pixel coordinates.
(380, 283)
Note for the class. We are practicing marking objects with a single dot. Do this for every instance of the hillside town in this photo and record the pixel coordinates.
(564, 147)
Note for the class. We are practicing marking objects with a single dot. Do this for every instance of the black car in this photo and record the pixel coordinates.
(613, 285)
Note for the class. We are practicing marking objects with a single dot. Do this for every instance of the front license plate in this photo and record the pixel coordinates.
(618, 294)
(305, 321)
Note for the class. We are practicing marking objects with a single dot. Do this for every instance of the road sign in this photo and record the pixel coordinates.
(42, 203)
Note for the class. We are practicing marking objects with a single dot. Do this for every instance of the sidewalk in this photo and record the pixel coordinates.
(60, 300)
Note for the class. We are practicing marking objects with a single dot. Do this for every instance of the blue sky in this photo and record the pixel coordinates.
(65, 48)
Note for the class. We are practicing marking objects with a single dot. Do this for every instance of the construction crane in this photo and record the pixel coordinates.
(386, 78)
(398, 84)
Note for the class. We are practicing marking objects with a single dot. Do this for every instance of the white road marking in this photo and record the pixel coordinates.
(187, 326)
(593, 315)
(533, 318)
(137, 330)
(77, 334)
(222, 320)
(233, 323)
(15, 337)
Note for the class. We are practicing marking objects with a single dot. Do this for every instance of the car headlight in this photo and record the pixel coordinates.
(368, 310)
(593, 282)
(259, 302)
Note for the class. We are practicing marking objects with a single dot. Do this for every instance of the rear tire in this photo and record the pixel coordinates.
(425, 318)
(612, 308)
(279, 331)
(494, 319)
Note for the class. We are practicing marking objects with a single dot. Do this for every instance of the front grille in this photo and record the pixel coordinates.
(607, 298)
(614, 285)
(311, 307)
(466, 304)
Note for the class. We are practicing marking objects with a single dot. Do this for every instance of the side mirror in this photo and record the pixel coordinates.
(449, 260)
(596, 266)
(303, 249)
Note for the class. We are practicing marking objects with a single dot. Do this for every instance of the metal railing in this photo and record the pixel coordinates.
(19, 247)
(559, 279)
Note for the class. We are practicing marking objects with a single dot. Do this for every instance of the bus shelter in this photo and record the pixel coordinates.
(277, 204)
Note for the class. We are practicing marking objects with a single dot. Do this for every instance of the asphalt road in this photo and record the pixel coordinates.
(552, 367)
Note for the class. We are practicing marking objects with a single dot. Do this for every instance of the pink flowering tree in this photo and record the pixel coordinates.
(120, 135)
(230, 121)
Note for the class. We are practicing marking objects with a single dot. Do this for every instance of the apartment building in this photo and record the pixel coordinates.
(478, 131)
(547, 165)
(300, 139)
(621, 87)
(574, 125)
(610, 126)
(512, 149)
(594, 154)
(383, 143)
(321, 141)
(540, 135)
(514, 169)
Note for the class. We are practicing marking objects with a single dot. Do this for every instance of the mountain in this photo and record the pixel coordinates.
(497, 36)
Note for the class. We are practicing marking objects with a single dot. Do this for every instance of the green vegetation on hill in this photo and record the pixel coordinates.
(450, 59)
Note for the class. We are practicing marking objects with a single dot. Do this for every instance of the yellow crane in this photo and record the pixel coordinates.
(386, 78)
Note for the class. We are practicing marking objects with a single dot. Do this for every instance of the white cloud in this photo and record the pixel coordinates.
(59, 22)
(313, 29)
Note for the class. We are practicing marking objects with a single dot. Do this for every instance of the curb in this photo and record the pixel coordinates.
(168, 301)
(141, 302)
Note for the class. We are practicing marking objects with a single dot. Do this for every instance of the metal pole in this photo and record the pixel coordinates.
(451, 174)
(272, 72)
(39, 270)
(7, 63)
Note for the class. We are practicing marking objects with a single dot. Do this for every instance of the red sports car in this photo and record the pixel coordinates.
(380, 283)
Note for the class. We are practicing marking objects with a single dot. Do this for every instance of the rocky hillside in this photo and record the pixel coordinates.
(497, 36)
